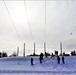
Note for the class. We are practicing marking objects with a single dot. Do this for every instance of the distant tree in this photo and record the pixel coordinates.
(56, 53)
(73, 53)
(4, 54)
(0, 54)
(64, 54)
(33, 54)
(14, 54)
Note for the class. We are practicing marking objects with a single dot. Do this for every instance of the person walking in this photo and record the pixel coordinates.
(31, 61)
(58, 59)
(63, 59)
(41, 57)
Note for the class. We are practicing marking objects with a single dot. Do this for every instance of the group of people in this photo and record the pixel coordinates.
(58, 59)
(41, 58)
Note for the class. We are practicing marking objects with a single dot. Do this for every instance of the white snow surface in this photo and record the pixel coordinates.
(22, 66)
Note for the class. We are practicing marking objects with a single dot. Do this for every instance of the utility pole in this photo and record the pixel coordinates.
(34, 48)
(60, 48)
(24, 50)
(44, 48)
(17, 51)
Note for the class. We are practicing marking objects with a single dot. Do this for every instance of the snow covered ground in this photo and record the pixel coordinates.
(22, 66)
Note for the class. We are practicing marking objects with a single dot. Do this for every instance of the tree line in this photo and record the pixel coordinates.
(3, 54)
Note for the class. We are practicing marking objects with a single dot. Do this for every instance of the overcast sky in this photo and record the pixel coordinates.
(60, 22)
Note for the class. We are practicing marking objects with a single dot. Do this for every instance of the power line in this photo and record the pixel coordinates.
(12, 20)
(45, 21)
(66, 39)
(69, 34)
(28, 21)
(45, 30)
(73, 29)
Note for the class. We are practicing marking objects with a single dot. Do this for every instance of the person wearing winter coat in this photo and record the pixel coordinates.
(63, 59)
(31, 61)
(58, 59)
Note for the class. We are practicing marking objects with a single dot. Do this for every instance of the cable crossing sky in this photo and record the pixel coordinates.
(28, 21)
(69, 35)
(12, 21)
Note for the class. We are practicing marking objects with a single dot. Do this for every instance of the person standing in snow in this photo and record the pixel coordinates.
(63, 59)
(45, 54)
(58, 59)
(52, 55)
(31, 61)
(41, 57)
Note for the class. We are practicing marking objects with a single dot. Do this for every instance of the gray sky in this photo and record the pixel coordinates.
(60, 21)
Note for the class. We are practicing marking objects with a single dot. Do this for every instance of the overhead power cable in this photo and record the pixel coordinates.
(28, 21)
(45, 30)
(12, 20)
(69, 34)
(45, 21)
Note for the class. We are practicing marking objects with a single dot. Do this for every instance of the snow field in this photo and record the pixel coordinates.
(22, 66)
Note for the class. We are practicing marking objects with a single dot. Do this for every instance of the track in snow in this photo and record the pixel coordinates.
(35, 72)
